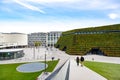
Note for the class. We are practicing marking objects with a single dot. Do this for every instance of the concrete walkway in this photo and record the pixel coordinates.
(82, 73)
(77, 73)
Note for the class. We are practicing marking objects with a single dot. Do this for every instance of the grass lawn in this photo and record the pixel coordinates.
(8, 71)
(108, 70)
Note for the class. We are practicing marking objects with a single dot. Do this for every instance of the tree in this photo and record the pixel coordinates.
(37, 44)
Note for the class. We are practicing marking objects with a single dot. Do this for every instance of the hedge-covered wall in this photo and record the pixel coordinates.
(80, 44)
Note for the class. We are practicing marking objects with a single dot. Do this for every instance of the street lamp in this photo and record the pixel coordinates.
(45, 61)
(45, 65)
(34, 52)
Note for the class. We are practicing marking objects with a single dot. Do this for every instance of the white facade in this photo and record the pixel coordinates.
(46, 39)
(37, 37)
(52, 38)
(13, 39)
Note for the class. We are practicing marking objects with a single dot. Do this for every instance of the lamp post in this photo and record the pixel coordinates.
(45, 63)
(34, 52)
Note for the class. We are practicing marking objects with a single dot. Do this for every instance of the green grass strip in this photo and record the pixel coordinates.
(110, 71)
(8, 71)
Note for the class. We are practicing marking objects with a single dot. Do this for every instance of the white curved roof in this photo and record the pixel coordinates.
(10, 50)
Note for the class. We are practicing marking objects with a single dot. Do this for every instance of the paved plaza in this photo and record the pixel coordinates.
(76, 73)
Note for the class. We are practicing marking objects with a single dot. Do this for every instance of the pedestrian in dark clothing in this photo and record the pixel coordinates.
(82, 61)
(77, 60)
(53, 58)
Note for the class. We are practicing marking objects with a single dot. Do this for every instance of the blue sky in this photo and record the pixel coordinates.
(26, 16)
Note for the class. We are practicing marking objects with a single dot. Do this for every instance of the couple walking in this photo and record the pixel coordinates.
(80, 60)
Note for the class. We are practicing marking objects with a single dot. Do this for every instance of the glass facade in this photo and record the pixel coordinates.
(11, 55)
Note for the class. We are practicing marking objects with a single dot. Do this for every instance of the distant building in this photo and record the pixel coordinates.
(13, 40)
(46, 39)
(52, 38)
(37, 37)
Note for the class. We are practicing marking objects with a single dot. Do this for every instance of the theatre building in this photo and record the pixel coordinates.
(10, 44)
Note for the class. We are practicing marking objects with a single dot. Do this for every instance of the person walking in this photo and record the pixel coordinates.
(82, 61)
(77, 60)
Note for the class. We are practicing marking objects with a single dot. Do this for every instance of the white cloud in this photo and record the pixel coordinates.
(73, 4)
(79, 4)
(113, 15)
(29, 6)
(39, 5)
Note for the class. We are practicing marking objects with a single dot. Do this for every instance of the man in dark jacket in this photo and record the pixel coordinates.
(77, 60)
(82, 61)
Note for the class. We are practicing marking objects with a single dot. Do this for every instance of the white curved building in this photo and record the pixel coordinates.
(13, 39)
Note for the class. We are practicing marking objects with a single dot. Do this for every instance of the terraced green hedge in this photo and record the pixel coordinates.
(80, 44)
(108, 27)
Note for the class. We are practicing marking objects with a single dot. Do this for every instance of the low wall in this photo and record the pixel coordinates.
(62, 73)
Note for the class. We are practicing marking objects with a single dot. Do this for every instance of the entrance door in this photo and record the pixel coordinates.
(96, 51)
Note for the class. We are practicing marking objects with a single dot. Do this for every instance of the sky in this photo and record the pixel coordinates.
(28, 16)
